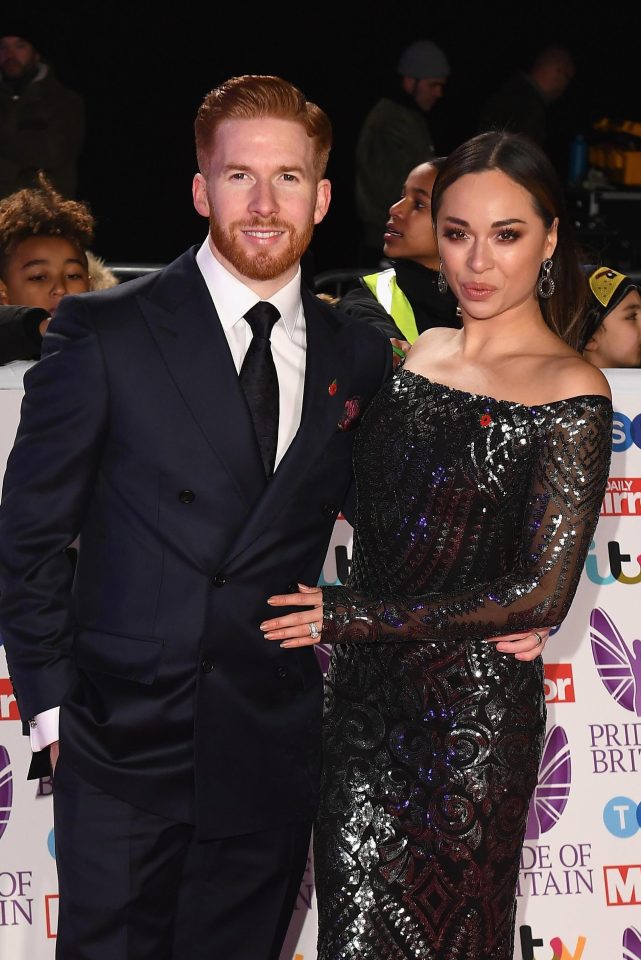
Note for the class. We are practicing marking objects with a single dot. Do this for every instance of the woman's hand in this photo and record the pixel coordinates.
(523, 646)
(296, 629)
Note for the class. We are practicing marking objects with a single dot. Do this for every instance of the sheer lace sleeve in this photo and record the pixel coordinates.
(569, 477)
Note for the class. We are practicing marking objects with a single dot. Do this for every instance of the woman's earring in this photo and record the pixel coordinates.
(546, 285)
(442, 280)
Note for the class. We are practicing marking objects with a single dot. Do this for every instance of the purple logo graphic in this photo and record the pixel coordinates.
(6, 789)
(617, 665)
(323, 652)
(631, 944)
(553, 789)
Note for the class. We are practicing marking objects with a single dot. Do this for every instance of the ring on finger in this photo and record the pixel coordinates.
(313, 630)
(539, 638)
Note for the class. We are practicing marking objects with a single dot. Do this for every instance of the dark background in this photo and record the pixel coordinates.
(143, 74)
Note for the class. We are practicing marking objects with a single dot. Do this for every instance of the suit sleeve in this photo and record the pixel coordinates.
(48, 481)
(569, 480)
(19, 335)
(362, 305)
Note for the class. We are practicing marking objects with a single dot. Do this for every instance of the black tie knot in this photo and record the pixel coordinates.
(261, 318)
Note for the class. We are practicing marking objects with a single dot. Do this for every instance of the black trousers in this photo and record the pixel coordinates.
(136, 886)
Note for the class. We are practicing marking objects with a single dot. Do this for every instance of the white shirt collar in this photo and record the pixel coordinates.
(232, 298)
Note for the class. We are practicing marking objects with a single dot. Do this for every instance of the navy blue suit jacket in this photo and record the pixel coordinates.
(135, 436)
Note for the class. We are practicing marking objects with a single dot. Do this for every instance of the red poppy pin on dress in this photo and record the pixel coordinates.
(485, 420)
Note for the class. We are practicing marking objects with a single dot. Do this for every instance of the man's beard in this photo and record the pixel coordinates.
(262, 265)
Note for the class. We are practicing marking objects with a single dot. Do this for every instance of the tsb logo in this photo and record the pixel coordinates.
(559, 683)
(622, 816)
(625, 432)
(623, 885)
(8, 705)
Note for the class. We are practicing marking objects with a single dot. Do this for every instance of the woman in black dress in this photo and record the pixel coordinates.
(480, 468)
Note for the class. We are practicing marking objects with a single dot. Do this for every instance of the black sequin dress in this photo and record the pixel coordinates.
(474, 519)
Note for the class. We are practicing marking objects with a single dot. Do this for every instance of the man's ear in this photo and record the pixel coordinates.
(4, 293)
(199, 193)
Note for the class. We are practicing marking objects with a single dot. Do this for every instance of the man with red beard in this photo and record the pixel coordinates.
(190, 428)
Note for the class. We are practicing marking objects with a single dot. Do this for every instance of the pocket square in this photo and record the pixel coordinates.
(351, 413)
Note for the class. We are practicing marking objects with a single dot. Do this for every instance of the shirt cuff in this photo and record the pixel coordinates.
(43, 729)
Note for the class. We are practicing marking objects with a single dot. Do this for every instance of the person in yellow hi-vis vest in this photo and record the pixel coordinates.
(406, 299)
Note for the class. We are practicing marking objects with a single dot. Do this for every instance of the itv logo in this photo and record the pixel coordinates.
(559, 949)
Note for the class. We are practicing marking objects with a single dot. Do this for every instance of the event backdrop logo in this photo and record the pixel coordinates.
(6, 789)
(631, 944)
(614, 572)
(553, 789)
(618, 666)
(8, 705)
(558, 683)
(622, 817)
(622, 497)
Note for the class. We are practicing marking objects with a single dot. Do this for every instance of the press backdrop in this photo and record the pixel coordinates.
(580, 883)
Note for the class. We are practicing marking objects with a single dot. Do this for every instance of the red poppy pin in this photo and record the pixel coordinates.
(351, 413)
(332, 388)
(485, 420)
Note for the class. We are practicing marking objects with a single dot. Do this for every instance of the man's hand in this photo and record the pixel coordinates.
(400, 348)
(523, 646)
(54, 751)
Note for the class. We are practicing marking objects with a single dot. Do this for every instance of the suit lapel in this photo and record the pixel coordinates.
(189, 335)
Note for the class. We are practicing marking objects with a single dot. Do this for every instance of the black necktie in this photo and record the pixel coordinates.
(259, 381)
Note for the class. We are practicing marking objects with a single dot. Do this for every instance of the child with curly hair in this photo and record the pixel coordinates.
(44, 240)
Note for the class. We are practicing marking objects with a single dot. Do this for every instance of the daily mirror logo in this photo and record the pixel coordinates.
(622, 497)
(622, 884)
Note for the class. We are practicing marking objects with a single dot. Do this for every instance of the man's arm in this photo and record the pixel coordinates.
(48, 481)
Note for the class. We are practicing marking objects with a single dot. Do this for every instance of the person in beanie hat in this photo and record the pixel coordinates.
(395, 138)
(42, 123)
(611, 335)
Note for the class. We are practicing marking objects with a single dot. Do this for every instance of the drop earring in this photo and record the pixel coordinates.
(546, 285)
(442, 280)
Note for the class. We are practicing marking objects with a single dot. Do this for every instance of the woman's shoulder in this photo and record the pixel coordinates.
(577, 378)
(433, 339)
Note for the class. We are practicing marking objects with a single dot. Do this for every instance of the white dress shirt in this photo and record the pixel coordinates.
(232, 299)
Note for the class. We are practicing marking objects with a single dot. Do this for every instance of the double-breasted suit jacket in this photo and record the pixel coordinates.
(135, 436)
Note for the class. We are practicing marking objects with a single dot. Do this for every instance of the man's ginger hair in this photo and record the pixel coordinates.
(250, 97)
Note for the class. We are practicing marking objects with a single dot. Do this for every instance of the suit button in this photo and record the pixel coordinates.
(218, 581)
(282, 672)
(329, 510)
(186, 496)
(206, 666)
